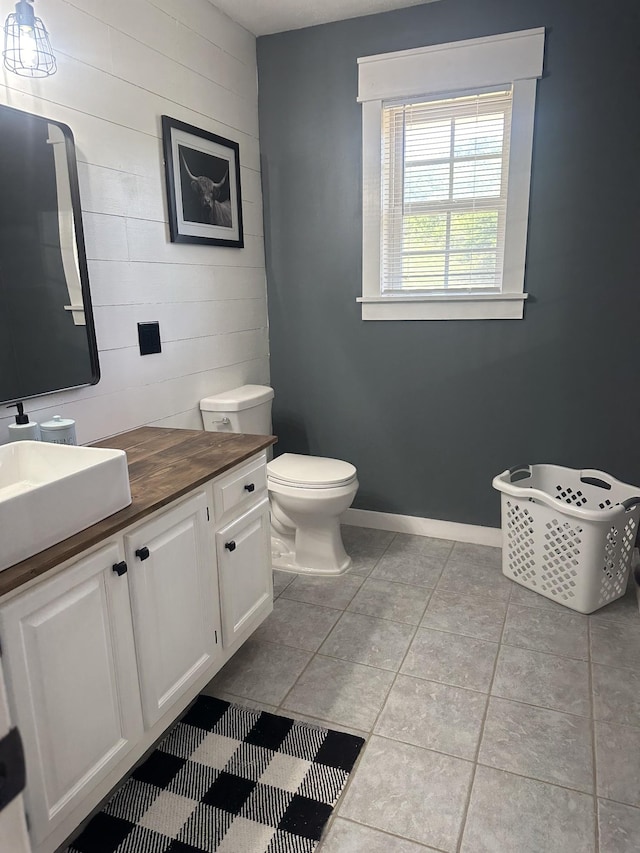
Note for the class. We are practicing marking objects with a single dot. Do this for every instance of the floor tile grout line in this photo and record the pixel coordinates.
(613, 666)
(618, 802)
(620, 621)
(433, 590)
(482, 562)
(421, 626)
(544, 652)
(474, 759)
(302, 672)
(387, 618)
(451, 684)
(351, 660)
(433, 680)
(466, 760)
(467, 805)
(539, 707)
(309, 604)
(529, 648)
(375, 722)
(573, 790)
(404, 657)
(371, 733)
(330, 607)
(343, 793)
(418, 844)
(334, 815)
(594, 769)
(315, 654)
(404, 583)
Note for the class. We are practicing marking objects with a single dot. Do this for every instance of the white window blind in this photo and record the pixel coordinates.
(444, 193)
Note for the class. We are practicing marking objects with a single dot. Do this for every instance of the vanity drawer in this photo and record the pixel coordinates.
(242, 488)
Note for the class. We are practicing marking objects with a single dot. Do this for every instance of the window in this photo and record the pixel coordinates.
(446, 178)
(445, 168)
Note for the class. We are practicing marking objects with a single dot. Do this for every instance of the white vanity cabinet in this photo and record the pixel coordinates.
(72, 681)
(242, 540)
(103, 656)
(174, 603)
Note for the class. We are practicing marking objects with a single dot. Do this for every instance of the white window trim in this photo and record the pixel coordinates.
(509, 59)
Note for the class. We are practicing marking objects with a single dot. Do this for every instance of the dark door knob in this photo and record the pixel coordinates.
(250, 487)
(142, 553)
(120, 568)
(230, 546)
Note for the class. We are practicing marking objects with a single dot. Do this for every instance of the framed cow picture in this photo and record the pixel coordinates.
(203, 185)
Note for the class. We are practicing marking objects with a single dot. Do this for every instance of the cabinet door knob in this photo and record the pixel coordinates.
(230, 546)
(250, 487)
(142, 553)
(120, 568)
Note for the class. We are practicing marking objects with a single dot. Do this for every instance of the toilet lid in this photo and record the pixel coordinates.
(314, 471)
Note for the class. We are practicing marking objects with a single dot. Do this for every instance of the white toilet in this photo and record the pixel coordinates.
(308, 494)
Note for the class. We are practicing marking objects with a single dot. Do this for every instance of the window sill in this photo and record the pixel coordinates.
(462, 306)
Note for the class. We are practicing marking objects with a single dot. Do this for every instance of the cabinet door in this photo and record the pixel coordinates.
(244, 573)
(70, 666)
(175, 606)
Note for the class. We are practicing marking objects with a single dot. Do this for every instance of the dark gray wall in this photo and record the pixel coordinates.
(429, 412)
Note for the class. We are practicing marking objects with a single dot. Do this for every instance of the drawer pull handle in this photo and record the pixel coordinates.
(250, 487)
(142, 553)
(120, 568)
(230, 546)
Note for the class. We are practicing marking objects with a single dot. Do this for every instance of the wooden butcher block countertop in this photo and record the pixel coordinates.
(164, 464)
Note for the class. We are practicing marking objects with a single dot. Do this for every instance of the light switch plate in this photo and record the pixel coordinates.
(149, 338)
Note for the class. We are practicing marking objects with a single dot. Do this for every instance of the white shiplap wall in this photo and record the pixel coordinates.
(121, 65)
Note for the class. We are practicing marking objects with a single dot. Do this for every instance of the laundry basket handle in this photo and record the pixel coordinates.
(595, 481)
(630, 503)
(525, 470)
(504, 483)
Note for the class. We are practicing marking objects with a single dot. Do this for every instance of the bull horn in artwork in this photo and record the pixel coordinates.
(184, 163)
(217, 186)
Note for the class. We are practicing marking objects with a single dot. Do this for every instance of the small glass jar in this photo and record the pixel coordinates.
(59, 430)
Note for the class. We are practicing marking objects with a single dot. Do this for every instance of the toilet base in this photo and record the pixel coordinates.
(284, 559)
(305, 527)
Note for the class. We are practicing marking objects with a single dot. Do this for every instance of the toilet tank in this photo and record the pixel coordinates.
(246, 409)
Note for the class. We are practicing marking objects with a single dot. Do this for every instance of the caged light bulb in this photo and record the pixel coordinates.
(28, 47)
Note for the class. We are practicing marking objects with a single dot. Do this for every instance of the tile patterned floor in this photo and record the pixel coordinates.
(497, 721)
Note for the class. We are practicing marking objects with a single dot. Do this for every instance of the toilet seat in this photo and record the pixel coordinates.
(310, 472)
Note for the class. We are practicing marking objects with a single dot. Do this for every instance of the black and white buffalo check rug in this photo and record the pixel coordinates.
(227, 779)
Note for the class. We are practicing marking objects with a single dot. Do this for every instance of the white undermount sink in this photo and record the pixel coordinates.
(48, 492)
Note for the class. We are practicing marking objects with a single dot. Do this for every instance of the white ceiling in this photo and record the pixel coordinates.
(274, 16)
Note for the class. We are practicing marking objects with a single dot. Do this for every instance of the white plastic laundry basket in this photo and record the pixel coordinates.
(568, 534)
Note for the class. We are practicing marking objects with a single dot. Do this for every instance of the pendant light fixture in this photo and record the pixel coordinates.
(27, 49)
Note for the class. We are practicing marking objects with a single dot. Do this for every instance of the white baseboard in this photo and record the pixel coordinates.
(472, 533)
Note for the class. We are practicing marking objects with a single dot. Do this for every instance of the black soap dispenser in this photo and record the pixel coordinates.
(23, 429)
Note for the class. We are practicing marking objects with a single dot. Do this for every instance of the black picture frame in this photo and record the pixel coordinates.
(202, 172)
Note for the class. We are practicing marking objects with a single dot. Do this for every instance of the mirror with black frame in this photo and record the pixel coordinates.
(47, 335)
